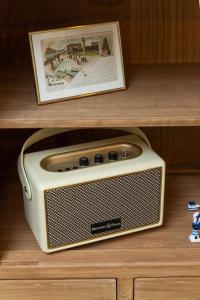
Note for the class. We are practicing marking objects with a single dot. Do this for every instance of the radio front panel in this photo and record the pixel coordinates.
(105, 207)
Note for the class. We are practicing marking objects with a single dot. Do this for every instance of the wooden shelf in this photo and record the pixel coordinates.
(165, 250)
(157, 95)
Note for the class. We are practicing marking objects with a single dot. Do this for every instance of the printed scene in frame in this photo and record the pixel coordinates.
(79, 61)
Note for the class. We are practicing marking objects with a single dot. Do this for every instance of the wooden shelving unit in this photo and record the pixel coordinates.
(156, 95)
(161, 45)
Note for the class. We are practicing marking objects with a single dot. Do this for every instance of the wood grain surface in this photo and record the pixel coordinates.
(124, 289)
(157, 95)
(165, 31)
(167, 288)
(58, 289)
(164, 251)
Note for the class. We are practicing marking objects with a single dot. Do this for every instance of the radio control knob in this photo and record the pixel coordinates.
(83, 161)
(112, 155)
(98, 159)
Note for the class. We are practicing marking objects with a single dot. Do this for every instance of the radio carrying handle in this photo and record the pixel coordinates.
(48, 132)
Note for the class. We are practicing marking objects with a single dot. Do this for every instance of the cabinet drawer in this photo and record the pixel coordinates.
(94, 289)
(167, 288)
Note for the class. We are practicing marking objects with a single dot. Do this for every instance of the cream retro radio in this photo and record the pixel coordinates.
(90, 192)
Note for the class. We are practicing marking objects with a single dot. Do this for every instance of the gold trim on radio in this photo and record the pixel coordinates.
(69, 160)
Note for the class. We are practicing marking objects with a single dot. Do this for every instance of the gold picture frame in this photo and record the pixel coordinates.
(76, 62)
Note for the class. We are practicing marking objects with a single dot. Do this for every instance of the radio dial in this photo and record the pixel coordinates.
(83, 161)
(98, 159)
(112, 155)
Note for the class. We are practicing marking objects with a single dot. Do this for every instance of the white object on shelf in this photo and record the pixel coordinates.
(194, 239)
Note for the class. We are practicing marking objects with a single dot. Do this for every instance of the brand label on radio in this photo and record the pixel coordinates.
(106, 226)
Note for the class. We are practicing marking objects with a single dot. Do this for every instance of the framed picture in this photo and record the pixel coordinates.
(77, 61)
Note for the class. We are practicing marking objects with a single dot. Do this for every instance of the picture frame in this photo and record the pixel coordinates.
(75, 62)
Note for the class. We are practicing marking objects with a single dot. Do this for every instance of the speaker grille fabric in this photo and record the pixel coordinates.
(70, 211)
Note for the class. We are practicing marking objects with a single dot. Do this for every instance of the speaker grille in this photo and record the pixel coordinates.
(71, 210)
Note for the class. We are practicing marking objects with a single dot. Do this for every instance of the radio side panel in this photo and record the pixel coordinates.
(35, 215)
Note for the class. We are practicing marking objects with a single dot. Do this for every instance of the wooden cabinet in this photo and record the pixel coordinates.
(161, 43)
(167, 288)
(99, 289)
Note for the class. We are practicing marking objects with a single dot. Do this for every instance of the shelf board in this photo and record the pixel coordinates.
(165, 249)
(156, 95)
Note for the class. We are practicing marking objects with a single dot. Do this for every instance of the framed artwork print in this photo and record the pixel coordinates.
(77, 61)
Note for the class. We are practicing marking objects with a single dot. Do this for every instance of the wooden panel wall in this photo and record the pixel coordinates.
(153, 31)
(18, 17)
(165, 31)
(178, 146)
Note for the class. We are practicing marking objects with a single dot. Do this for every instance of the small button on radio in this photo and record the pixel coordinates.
(98, 159)
(83, 161)
(113, 155)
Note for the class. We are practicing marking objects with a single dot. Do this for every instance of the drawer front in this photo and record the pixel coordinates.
(93, 289)
(167, 289)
